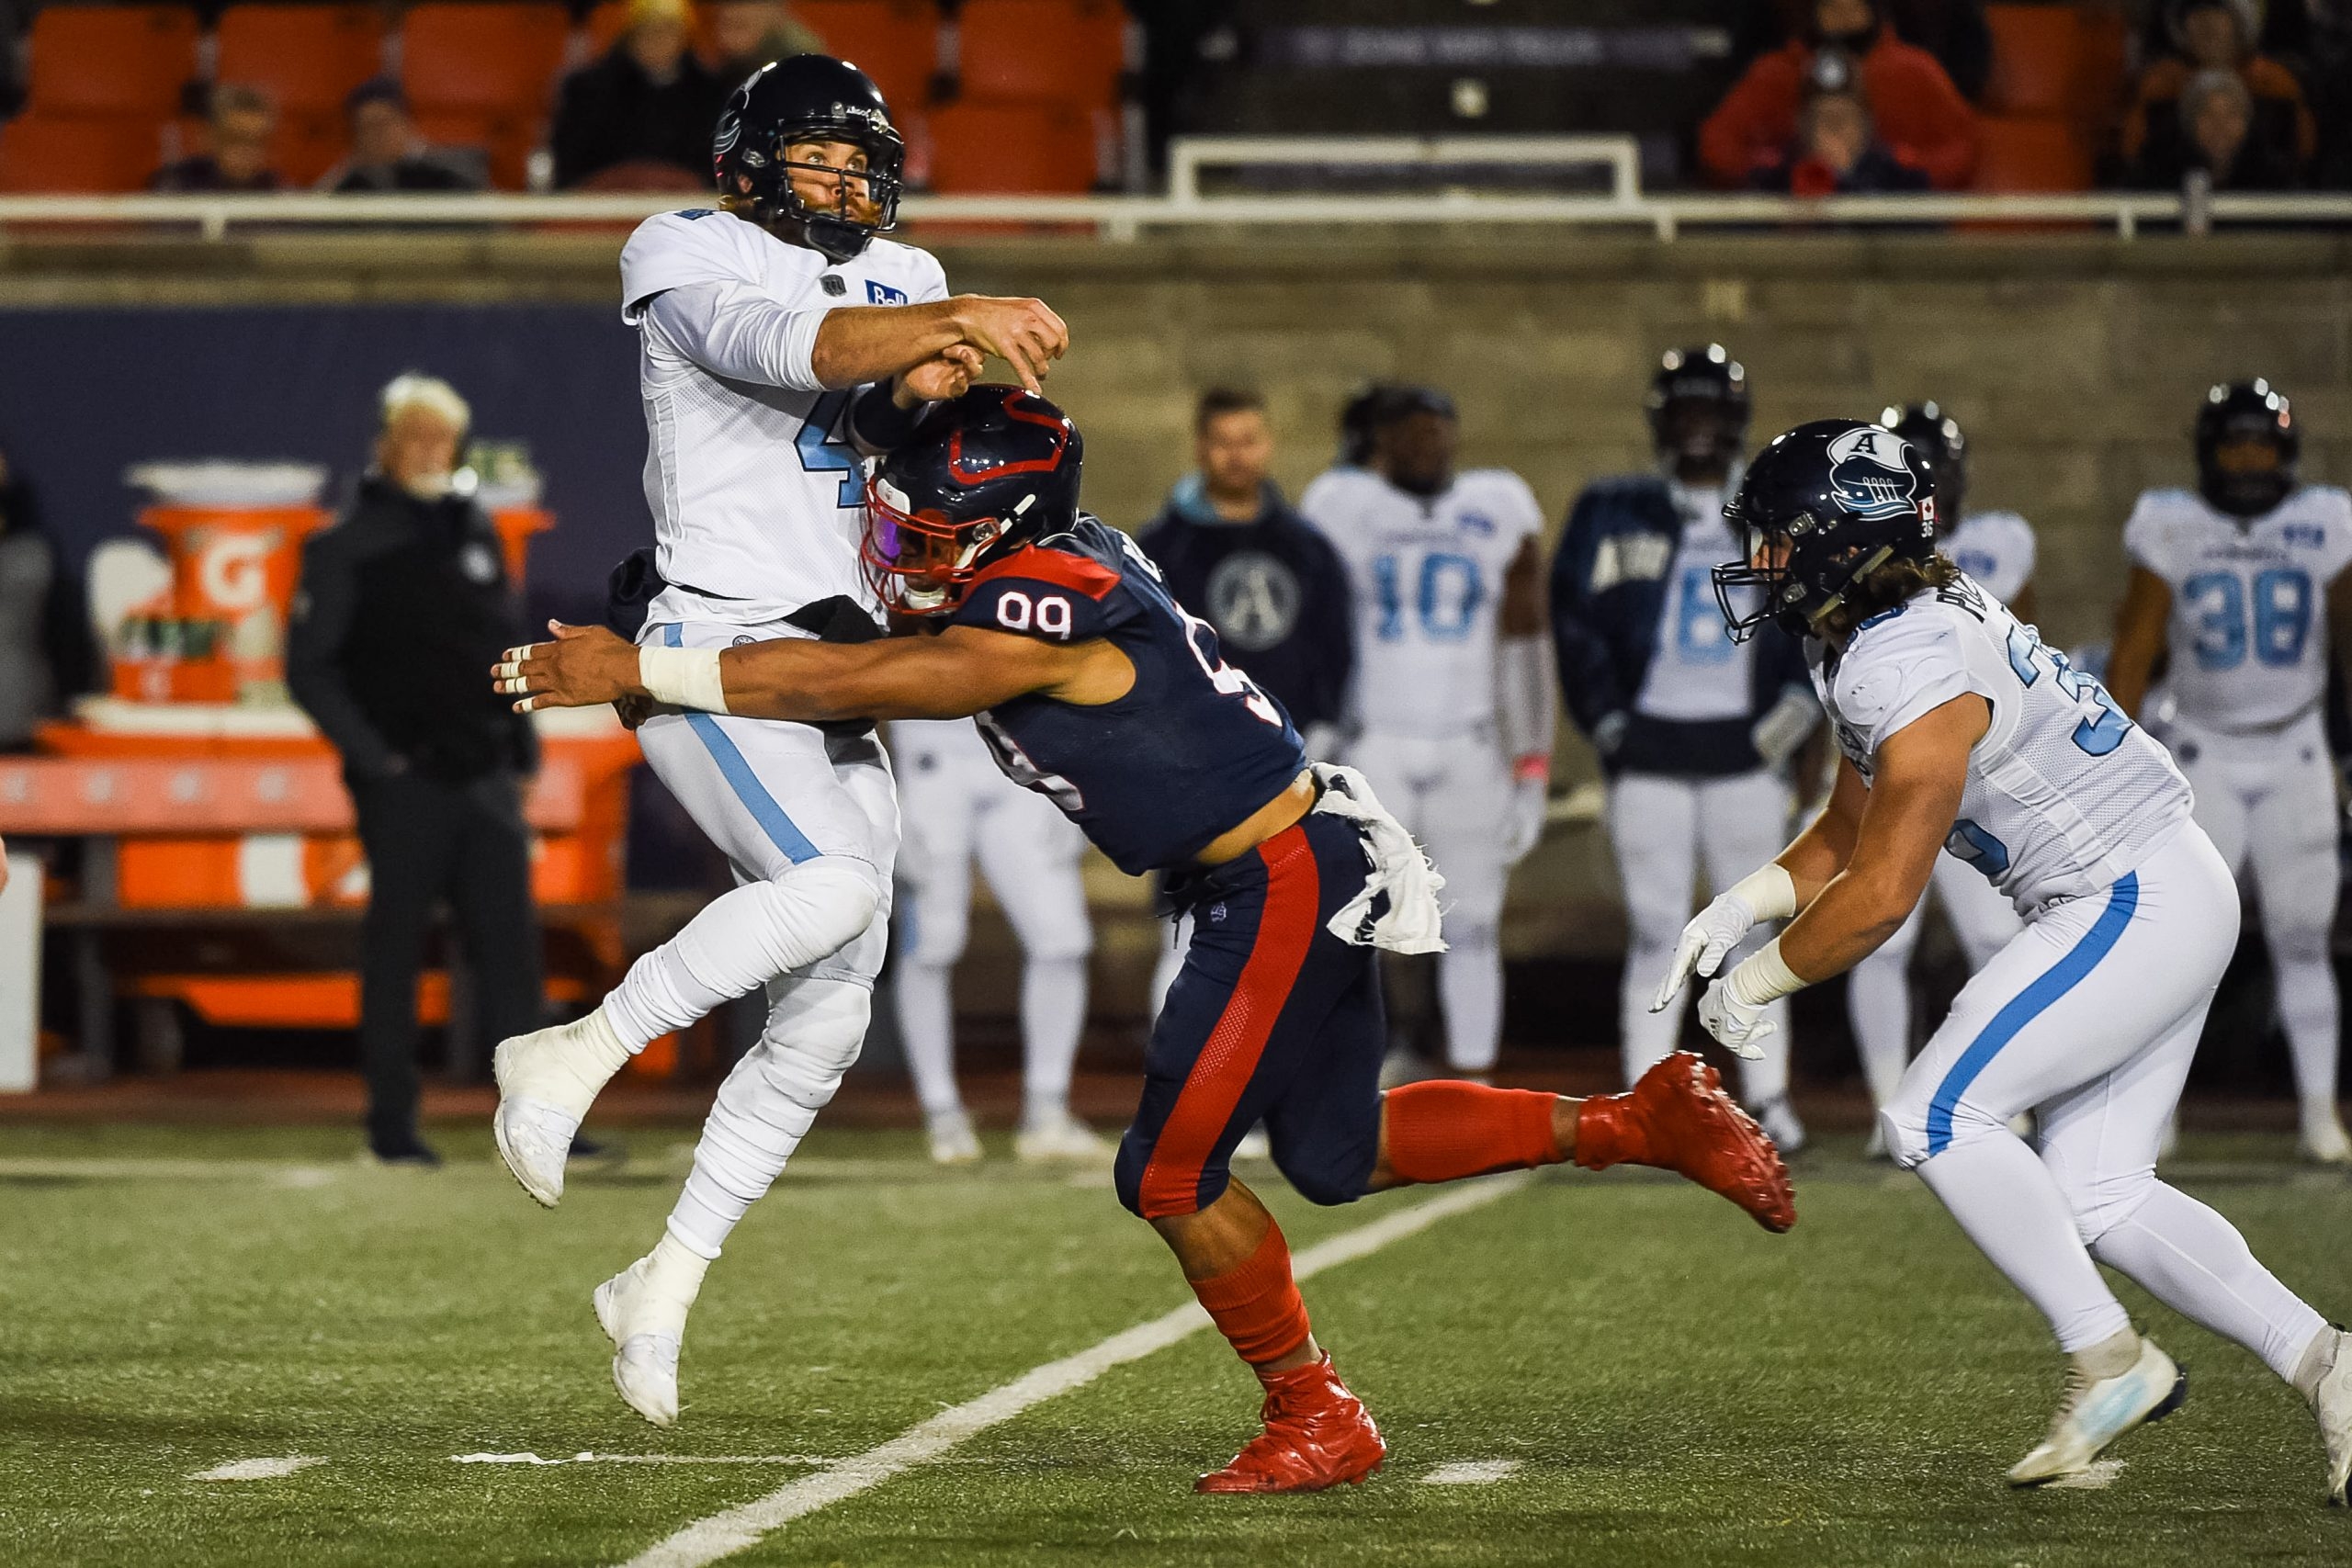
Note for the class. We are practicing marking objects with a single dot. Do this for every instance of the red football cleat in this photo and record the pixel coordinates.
(1317, 1435)
(1678, 1118)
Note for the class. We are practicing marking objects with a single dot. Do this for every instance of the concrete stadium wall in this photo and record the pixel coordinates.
(2075, 360)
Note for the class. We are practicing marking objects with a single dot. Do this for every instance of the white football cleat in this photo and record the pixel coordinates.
(646, 1327)
(1778, 1120)
(2099, 1410)
(1058, 1135)
(2324, 1141)
(2332, 1402)
(952, 1142)
(547, 1080)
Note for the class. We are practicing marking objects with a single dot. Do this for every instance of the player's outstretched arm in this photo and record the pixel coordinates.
(2139, 640)
(961, 671)
(873, 342)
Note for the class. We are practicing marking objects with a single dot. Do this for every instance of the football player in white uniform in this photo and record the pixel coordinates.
(1995, 549)
(1453, 692)
(1961, 731)
(780, 340)
(2241, 588)
(958, 807)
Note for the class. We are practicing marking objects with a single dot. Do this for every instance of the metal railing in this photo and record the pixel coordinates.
(1188, 155)
(1119, 218)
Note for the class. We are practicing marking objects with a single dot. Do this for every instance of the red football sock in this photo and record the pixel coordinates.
(1439, 1132)
(1257, 1306)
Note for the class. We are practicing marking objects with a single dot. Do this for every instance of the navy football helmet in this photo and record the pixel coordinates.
(811, 97)
(983, 474)
(1823, 504)
(1706, 382)
(1938, 436)
(2234, 482)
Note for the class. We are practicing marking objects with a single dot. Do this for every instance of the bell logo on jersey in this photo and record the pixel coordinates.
(1867, 468)
(883, 294)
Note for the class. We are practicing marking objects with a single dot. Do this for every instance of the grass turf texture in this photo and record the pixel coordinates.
(1677, 1386)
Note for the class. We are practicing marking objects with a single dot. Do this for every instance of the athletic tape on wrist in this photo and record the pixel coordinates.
(683, 677)
(1769, 891)
(1765, 977)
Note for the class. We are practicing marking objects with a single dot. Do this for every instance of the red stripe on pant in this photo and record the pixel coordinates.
(1171, 1181)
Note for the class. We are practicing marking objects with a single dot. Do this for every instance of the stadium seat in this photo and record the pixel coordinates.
(43, 154)
(507, 138)
(1068, 51)
(305, 57)
(603, 27)
(894, 42)
(2019, 152)
(128, 60)
(2037, 57)
(483, 59)
(988, 149)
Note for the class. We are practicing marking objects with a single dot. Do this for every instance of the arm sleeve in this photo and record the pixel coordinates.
(1527, 705)
(731, 331)
(1588, 677)
(323, 605)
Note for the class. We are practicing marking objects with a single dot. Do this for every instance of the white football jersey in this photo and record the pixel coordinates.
(1696, 671)
(1995, 549)
(2248, 634)
(1427, 575)
(2065, 795)
(756, 493)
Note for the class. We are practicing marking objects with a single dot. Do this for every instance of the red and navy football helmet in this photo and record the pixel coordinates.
(983, 474)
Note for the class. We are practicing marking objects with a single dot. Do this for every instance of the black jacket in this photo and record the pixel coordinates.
(402, 608)
(1274, 588)
(612, 112)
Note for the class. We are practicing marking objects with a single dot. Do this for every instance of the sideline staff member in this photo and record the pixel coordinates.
(402, 604)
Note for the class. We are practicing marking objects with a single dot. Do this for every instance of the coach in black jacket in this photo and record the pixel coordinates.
(402, 606)
(1235, 554)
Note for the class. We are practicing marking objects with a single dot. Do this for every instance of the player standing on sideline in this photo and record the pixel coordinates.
(1096, 688)
(1995, 549)
(956, 807)
(775, 328)
(1961, 731)
(1694, 730)
(2241, 589)
(1451, 691)
(1234, 553)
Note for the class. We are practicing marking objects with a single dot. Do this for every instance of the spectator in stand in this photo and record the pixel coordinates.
(1921, 115)
(1954, 31)
(746, 34)
(643, 115)
(2218, 133)
(2216, 35)
(239, 124)
(1837, 151)
(45, 650)
(388, 153)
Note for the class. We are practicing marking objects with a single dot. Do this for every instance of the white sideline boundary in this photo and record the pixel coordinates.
(707, 1540)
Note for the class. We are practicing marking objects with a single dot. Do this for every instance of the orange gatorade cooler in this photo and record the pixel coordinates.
(235, 531)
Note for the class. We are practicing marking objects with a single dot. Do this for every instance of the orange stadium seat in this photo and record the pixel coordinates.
(483, 59)
(604, 28)
(305, 57)
(111, 60)
(2019, 153)
(1042, 50)
(2037, 57)
(43, 154)
(508, 138)
(894, 42)
(984, 149)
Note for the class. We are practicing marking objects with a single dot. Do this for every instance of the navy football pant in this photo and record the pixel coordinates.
(1271, 1018)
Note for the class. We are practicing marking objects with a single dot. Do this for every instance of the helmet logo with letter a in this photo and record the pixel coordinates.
(1867, 470)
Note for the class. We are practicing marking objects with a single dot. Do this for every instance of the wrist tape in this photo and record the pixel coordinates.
(1769, 891)
(683, 677)
(1764, 978)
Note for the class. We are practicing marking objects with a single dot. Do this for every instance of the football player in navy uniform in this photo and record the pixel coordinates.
(1097, 689)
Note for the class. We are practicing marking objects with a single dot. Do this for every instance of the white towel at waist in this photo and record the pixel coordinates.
(1397, 909)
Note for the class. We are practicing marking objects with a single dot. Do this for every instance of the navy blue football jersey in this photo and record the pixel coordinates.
(1191, 749)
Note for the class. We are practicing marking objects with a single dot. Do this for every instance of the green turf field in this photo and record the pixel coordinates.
(1673, 1385)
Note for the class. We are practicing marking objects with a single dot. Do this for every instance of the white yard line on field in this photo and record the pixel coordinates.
(531, 1459)
(258, 1469)
(721, 1535)
(1471, 1472)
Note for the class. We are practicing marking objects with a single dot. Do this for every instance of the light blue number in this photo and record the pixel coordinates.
(1979, 849)
(2097, 736)
(1699, 621)
(1447, 594)
(2217, 599)
(824, 450)
(2282, 614)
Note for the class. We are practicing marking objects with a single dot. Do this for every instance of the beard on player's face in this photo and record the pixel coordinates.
(830, 178)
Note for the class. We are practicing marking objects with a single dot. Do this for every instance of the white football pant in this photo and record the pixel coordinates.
(2268, 801)
(958, 807)
(1878, 990)
(808, 822)
(2088, 1019)
(1662, 828)
(1454, 795)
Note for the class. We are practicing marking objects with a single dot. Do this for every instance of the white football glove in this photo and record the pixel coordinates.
(1764, 894)
(1531, 799)
(1738, 1026)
